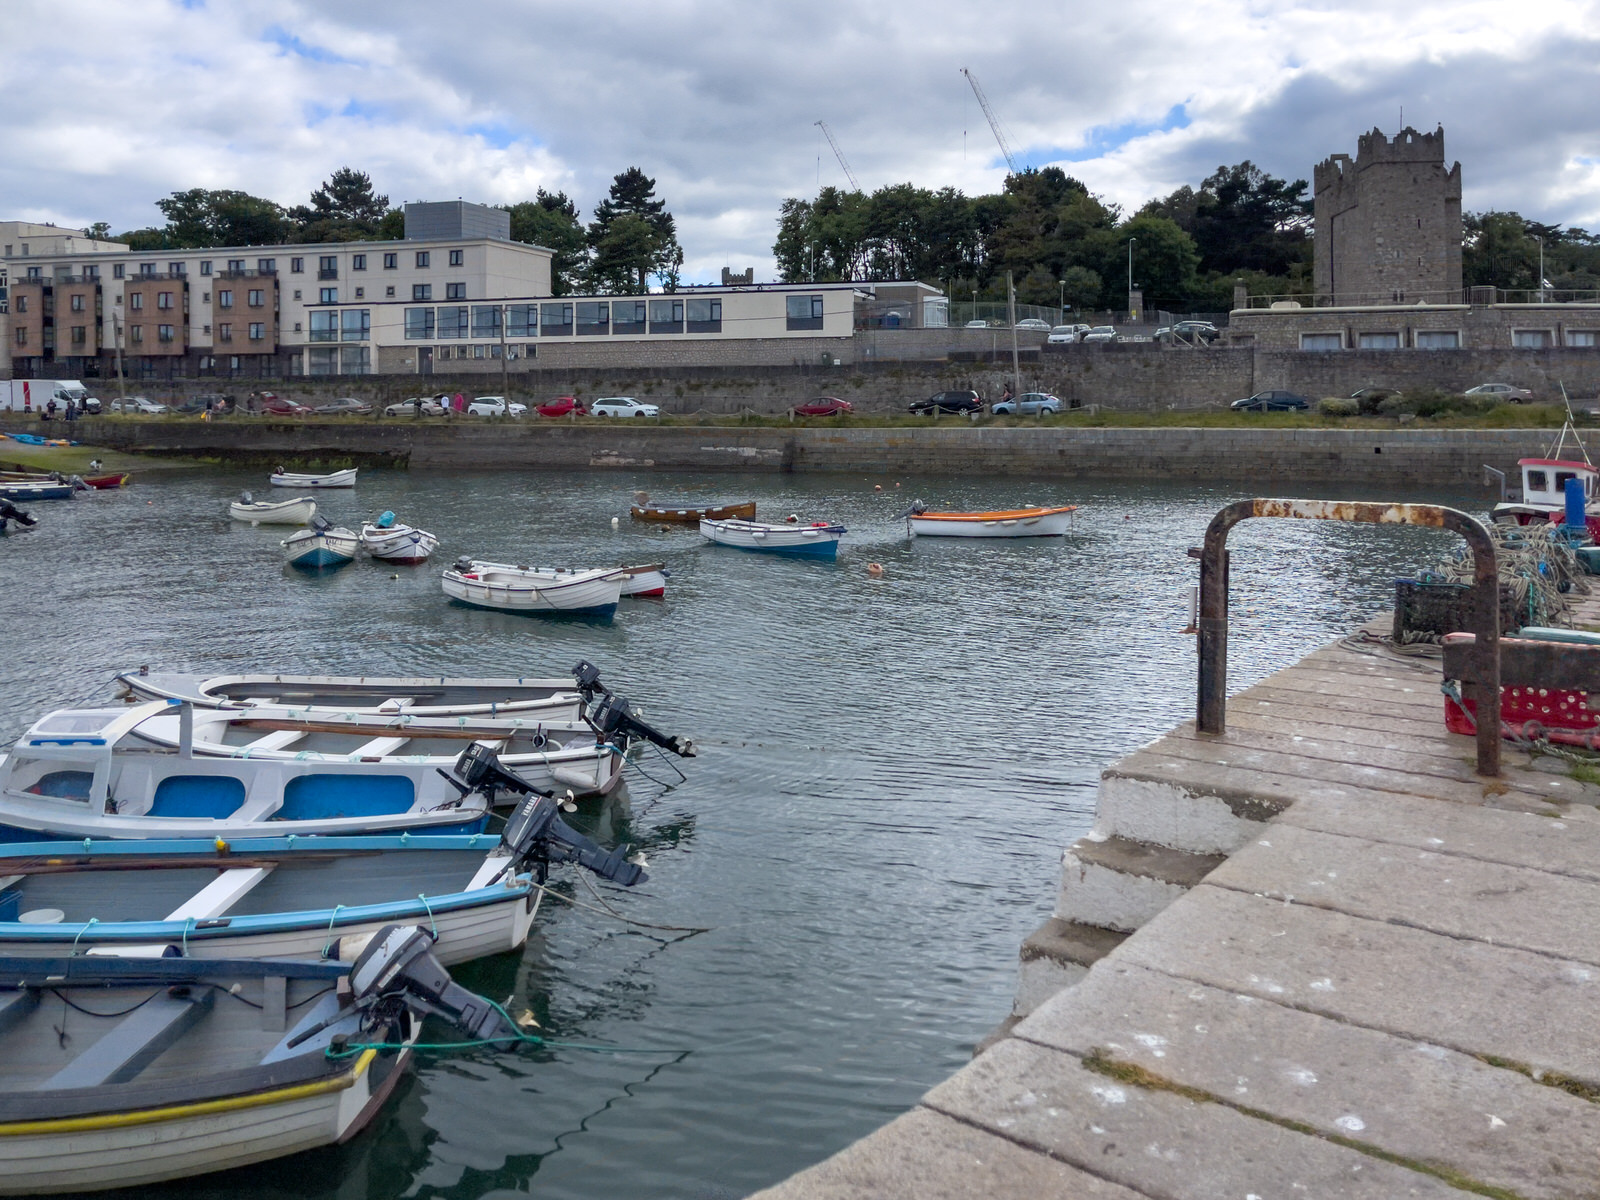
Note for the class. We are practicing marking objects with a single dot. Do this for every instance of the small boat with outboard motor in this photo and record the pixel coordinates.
(323, 545)
(820, 539)
(296, 479)
(393, 541)
(298, 511)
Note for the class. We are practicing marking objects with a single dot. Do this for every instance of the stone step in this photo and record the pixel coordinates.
(1151, 798)
(1056, 955)
(1118, 883)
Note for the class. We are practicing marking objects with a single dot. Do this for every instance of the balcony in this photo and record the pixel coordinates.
(327, 273)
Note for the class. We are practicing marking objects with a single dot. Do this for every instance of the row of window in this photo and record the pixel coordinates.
(327, 265)
(346, 325)
(339, 360)
(1447, 339)
(582, 318)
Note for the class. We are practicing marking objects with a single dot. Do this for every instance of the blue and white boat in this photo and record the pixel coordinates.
(323, 545)
(818, 540)
(41, 490)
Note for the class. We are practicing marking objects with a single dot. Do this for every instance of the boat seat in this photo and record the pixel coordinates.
(377, 747)
(16, 1005)
(329, 796)
(396, 703)
(221, 894)
(213, 796)
(135, 1042)
(278, 739)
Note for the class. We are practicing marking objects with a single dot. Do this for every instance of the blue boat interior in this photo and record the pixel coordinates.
(214, 796)
(318, 797)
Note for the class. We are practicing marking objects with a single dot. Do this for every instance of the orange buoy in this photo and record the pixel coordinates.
(875, 570)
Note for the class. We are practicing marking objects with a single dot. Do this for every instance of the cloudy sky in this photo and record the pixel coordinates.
(115, 103)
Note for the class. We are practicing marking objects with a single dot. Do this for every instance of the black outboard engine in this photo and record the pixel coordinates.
(462, 564)
(321, 523)
(535, 832)
(10, 512)
(613, 716)
(247, 498)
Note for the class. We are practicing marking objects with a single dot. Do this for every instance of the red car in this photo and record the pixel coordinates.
(561, 406)
(824, 406)
(278, 406)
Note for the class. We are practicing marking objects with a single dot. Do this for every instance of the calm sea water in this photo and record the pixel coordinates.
(889, 770)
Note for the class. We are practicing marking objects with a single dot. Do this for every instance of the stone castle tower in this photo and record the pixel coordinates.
(1388, 224)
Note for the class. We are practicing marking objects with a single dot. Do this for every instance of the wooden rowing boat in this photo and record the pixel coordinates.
(1003, 523)
(693, 515)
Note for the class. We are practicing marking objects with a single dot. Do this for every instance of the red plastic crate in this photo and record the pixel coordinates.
(1554, 708)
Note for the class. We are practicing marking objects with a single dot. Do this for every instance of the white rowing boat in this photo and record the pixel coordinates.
(324, 545)
(1005, 523)
(333, 479)
(298, 511)
(507, 588)
(392, 541)
(818, 540)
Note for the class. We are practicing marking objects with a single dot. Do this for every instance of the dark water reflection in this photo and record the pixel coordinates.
(889, 770)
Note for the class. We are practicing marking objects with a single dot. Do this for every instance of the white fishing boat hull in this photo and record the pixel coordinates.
(282, 512)
(321, 547)
(515, 589)
(548, 699)
(334, 479)
(398, 543)
(647, 581)
(806, 541)
(1020, 524)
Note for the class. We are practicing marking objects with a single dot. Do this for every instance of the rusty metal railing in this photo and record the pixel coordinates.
(1211, 708)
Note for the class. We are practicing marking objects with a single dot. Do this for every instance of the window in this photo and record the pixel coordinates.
(224, 297)
(1530, 339)
(422, 258)
(1378, 341)
(803, 312)
(77, 303)
(422, 291)
(205, 297)
(225, 332)
(297, 326)
(136, 300)
(419, 323)
(22, 337)
(325, 326)
(555, 319)
(355, 360)
(390, 261)
(258, 330)
(297, 293)
(236, 266)
(22, 304)
(296, 265)
(35, 272)
(174, 268)
(455, 291)
(594, 316)
(164, 332)
(80, 335)
(257, 297)
(1438, 339)
(360, 293)
(329, 296)
(119, 270)
(522, 320)
(1582, 337)
(355, 325)
(477, 352)
(205, 267)
(389, 292)
(455, 258)
(267, 266)
(205, 329)
(1538, 481)
(486, 321)
(91, 272)
(704, 316)
(358, 262)
(453, 322)
(328, 266)
(323, 361)
(136, 334)
(163, 299)
(666, 316)
(627, 316)
(147, 269)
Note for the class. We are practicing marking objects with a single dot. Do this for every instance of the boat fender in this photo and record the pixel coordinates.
(819, 524)
(793, 519)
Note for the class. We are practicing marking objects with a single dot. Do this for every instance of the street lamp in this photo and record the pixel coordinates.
(1540, 240)
(1062, 318)
(1131, 315)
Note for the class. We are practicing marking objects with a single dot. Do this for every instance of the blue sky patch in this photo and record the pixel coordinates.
(1103, 139)
(290, 44)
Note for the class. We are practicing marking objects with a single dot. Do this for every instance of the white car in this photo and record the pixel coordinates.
(1066, 335)
(495, 406)
(138, 404)
(1101, 333)
(976, 325)
(416, 406)
(623, 406)
(1034, 323)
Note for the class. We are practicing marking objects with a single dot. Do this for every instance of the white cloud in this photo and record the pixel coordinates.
(718, 100)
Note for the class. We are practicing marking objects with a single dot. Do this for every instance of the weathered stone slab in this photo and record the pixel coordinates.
(1458, 897)
(1469, 996)
(1157, 1142)
(1564, 845)
(925, 1155)
(1407, 1098)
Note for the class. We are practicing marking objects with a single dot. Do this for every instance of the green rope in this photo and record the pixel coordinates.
(351, 1049)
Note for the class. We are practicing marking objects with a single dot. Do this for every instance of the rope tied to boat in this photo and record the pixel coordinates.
(334, 916)
(351, 1049)
(428, 908)
(92, 922)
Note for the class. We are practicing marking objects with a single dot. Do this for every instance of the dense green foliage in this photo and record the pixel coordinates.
(1501, 249)
(632, 238)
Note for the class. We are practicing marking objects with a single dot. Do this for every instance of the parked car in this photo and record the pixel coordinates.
(1501, 391)
(138, 404)
(976, 325)
(623, 406)
(1034, 323)
(1101, 333)
(348, 406)
(1271, 401)
(410, 408)
(1028, 404)
(1196, 331)
(951, 402)
(495, 406)
(562, 406)
(824, 406)
(1370, 397)
(1066, 335)
(281, 406)
(206, 401)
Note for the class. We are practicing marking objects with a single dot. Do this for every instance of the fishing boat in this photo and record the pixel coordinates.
(298, 511)
(177, 1067)
(1544, 483)
(556, 699)
(818, 540)
(693, 514)
(393, 542)
(21, 492)
(103, 483)
(1005, 523)
(507, 588)
(323, 545)
(333, 479)
(102, 773)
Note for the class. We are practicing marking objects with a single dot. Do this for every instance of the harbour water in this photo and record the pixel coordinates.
(889, 768)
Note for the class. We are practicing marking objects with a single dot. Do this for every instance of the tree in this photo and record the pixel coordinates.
(100, 231)
(201, 217)
(632, 237)
(1164, 259)
(551, 220)
(1242, 219)
(344, 209)
(1082, 287)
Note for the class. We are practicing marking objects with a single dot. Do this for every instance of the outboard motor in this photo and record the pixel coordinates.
(321, 523)
(613, 716)
(10, 512)
(247, 498)
(462, 564)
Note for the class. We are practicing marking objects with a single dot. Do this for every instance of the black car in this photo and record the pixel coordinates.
(206, 402)
(1272, 401)
(950, 402)
(1196, 331)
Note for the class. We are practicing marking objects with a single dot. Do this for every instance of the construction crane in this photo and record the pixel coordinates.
(839, 154)
(994, 122)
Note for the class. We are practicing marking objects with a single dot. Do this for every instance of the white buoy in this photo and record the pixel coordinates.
(613, 522)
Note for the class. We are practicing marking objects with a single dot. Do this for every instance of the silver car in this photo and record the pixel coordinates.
(1102, 333)
(1501, 391)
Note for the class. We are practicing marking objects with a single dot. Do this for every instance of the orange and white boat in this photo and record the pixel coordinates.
(1007, 523)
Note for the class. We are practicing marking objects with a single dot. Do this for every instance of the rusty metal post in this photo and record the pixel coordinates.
(1212, 693)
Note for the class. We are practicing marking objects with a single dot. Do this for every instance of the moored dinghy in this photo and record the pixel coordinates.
(693, 514)
(391, 541)
(298, 511)
(818, 540)
(1004, 523)
(323, 545)
(333, 479)
(507, 588)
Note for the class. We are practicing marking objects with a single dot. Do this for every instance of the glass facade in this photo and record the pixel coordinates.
(355, 325)
(555, 320)
(486, 321)
(419, 323)
(522, 320)
(453, 321)
(325, 326)
(594, 317)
